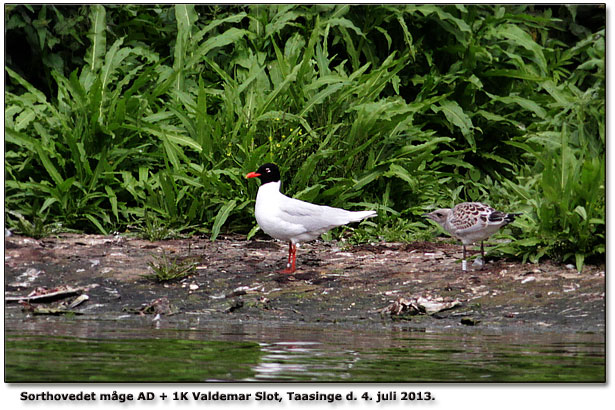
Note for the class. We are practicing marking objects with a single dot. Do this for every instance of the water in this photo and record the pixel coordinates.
(77, 350)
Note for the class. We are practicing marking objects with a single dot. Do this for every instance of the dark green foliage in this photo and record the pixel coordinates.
(150, 116)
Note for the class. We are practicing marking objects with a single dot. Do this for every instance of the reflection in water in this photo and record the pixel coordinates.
(306, 361)
(61, 349)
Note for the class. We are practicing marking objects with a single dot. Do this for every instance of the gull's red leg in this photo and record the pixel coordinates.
(294, 261)
(292, 258)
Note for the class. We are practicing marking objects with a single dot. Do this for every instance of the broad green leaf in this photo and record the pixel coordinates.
(48, 165)
(581, 211)
(580, 260)
(282, 19)
(523, 39)
(98, 43)
(171, 150)
(97, 224)
(230, 19)
(48, 202)
(457, 162)
(230, 36)
(522, 102)
(252, 232)
(281, 87)
(512, 74)
(455, 115)
(497, 158)
(40, 96)
(185, 15)
(402, 173)
(368, 178)
(113, 58)
(320, 97)
(24, 119)
(221, 217)
(113, 200)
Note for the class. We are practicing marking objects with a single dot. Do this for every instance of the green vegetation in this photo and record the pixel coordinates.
(147, 117)
(169, 269)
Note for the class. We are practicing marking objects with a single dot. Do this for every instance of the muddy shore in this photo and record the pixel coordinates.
(418, 285)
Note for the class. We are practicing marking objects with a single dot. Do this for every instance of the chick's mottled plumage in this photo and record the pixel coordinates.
(471, 222)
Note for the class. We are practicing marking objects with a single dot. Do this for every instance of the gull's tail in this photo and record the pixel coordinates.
(498, 216)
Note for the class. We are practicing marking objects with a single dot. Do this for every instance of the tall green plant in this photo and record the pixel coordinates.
(161, 111)
(79, 138)
(565, 188)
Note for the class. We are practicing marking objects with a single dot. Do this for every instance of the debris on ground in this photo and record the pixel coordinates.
(43, 294)
(335, 283)
(60, 308)
(160, 306)
(418, 306)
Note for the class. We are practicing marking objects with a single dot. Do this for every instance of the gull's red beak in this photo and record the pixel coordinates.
(253, 175)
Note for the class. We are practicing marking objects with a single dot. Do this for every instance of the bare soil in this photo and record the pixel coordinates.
(335, 283)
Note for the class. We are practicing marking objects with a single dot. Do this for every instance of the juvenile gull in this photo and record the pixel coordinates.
(471, 222)
(292, 220)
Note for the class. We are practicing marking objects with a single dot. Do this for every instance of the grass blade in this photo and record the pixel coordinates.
(221, 217)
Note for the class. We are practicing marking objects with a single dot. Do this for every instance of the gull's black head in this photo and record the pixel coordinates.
(266, 173)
